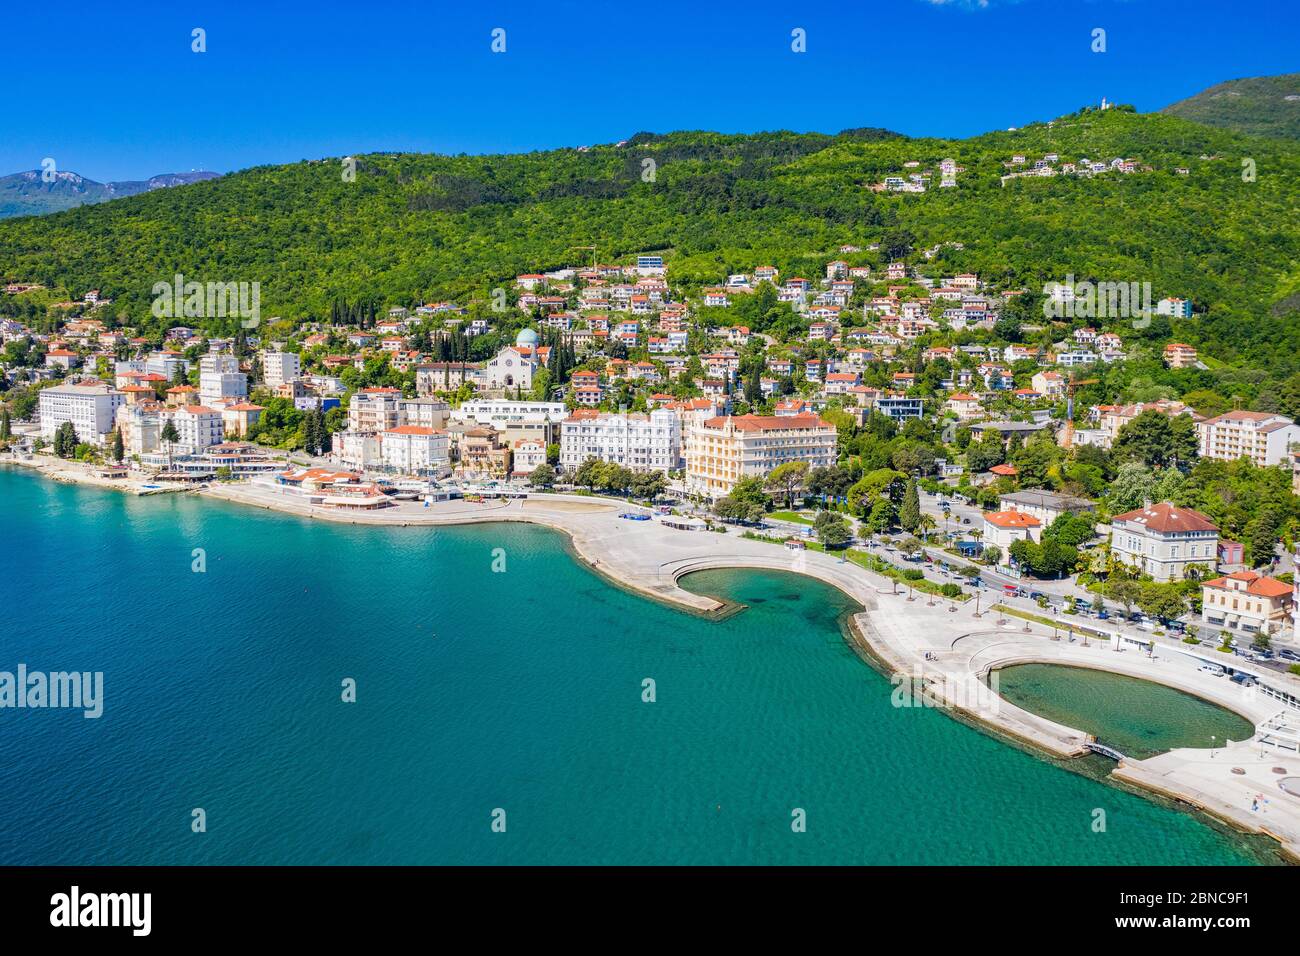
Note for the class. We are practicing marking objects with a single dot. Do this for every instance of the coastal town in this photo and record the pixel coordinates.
(884, 424)
(878, 385)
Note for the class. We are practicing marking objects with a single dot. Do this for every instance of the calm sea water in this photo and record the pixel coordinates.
(1136, 717)
(479, 690)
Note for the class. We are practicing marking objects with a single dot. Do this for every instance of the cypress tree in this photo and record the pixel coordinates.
(909, 514)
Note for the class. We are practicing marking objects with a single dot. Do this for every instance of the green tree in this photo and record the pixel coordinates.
(787, 479)
(119, 448)
(169, 435)
(1157, 440)
(832, 529)
(909, 512)
(1126, 592)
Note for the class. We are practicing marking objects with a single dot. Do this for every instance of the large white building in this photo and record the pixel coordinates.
(1163, 540)
(375, 410)
(197, 427)
(91, 408)
(220, 377)
(725, 449)
(640, 442)
(515, 420)
(280, 367)
(415, 450)
(1263, 437)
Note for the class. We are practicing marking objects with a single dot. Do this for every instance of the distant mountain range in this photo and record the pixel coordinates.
(1258, 105)
(28, 194)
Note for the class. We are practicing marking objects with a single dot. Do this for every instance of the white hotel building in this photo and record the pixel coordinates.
(415, 450)
(1163, 540)
(91, 408)
(516, 420)
(198, 427)
(640, 442)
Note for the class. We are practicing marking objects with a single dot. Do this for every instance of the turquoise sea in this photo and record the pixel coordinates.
(477, 691)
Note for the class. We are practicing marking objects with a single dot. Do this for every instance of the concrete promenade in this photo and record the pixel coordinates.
(940, 649)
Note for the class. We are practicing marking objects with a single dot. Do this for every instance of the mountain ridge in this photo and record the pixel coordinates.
(1255, 105)
(33, 192)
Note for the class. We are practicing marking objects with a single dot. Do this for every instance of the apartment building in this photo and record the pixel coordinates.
(219, 378)
(1046, 506)
(375, 410)
(640, 442)
(727, 448)
(280, 367)
(1263, 437)
(1162, 540)
(91, 408)
(1180, 355)
(1247, 603)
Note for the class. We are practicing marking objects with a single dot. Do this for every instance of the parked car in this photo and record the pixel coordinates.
(1214, 669)
(1245, 680)
(1103, 614)
(1288, 655)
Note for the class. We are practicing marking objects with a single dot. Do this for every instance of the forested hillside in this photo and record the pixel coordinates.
(1258, 105)
(1216, 219)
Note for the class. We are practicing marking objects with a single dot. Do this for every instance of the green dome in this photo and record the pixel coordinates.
(526, 337)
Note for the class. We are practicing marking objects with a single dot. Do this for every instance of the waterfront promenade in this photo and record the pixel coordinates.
(938, 647)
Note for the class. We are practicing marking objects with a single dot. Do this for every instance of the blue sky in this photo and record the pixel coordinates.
(113, 90)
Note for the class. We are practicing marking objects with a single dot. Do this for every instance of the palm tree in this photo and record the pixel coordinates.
(169, 435)
(925, 526)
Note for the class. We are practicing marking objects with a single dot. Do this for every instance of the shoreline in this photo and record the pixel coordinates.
(890, 634)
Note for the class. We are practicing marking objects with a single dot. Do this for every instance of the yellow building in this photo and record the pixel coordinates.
(725, 449)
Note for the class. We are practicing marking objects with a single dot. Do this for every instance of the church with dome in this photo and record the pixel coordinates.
(512, 368)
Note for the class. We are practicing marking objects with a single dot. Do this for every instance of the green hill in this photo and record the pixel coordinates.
(413, 227)
(1257, 105)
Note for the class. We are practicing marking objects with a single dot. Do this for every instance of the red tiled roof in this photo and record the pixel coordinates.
(1166, 517)
(1256, 584)
(753, 423)
(1012, 519)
